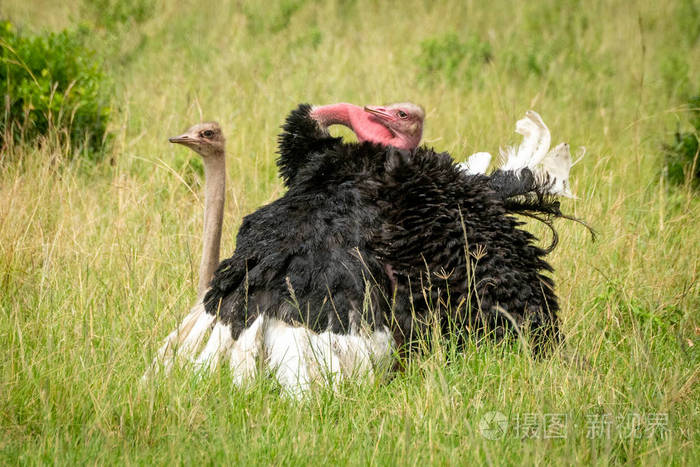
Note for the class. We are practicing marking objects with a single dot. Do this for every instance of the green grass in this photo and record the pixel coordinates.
(98, 261)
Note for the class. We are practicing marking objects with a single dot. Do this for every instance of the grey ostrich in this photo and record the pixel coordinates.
(207, 140)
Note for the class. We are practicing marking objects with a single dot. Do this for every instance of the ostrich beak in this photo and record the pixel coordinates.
(182, 139)
(380, 112)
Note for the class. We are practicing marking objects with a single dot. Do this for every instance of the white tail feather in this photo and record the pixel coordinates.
(288, 354)
(555, 168)
(246, 350)
(533, 148)
(218, 345)
(533, 152)
(544, 139)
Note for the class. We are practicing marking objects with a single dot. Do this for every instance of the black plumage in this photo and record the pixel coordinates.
(372, 235)
(459, 257)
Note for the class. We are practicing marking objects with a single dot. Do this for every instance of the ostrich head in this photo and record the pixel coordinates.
(398, 125)
(404, 121)
(206, 139)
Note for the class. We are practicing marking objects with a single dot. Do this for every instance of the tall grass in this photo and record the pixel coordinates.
(98, 262)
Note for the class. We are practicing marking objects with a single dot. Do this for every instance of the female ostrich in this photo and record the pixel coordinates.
(207, 140)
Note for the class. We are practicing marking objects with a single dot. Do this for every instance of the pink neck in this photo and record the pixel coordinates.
(365, 127)
(334, 114)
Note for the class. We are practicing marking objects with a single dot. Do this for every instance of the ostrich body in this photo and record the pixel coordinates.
(428, 209)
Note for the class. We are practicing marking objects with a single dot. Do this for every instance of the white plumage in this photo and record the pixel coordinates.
(552, 166)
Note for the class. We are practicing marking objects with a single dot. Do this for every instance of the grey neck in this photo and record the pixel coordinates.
(214, 197)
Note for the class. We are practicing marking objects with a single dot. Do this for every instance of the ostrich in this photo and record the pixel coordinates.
(306, 288)
(429, 208)
(207, 140)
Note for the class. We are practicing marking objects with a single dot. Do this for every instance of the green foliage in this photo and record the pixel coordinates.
(452, 58)
(682, 156)
(52, 88)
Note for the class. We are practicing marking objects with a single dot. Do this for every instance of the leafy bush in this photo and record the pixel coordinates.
(450, 57)
(682, 155)
(52, 88)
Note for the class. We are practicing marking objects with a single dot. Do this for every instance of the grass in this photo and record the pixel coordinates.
(98, 261)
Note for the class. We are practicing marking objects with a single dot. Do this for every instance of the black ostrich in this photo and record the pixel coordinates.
(447, 240)
(351, 262)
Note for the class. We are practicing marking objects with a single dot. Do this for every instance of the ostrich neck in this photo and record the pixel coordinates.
(334, 114)
(214, 197)
(365, 127)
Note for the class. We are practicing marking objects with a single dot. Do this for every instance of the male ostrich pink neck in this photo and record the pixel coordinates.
(398, 125)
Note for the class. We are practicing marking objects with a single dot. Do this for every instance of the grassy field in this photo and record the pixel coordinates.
(98, 261)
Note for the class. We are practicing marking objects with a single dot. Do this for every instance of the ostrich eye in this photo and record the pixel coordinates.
(208, 134)
(402, 114)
